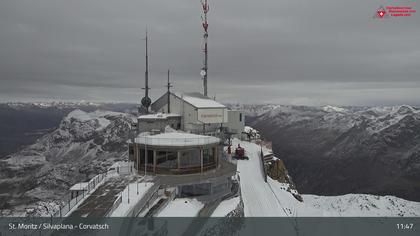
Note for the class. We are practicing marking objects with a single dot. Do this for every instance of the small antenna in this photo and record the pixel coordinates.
(169, 86)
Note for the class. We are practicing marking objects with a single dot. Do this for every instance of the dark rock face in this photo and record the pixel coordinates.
(331, 151)
(83, 145)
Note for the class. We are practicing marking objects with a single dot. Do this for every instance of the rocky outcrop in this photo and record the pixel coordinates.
(84, 144)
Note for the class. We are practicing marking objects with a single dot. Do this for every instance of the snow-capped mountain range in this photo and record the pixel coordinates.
(87, 143)
(57, 105)
(367, 149)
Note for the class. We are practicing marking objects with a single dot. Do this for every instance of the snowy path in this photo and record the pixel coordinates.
(258, 198)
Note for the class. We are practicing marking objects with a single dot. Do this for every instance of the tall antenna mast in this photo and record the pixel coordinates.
(146, 101)
(169, 86)
(204, 70)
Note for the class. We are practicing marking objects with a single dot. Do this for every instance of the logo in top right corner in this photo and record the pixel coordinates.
(395, 11)
(381, 13)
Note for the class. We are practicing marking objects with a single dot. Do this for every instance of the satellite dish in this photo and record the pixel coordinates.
(202, 72)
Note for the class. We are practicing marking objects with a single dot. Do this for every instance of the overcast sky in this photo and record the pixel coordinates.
(260, 51)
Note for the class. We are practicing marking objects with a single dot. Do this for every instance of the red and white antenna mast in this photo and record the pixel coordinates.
(205, 6)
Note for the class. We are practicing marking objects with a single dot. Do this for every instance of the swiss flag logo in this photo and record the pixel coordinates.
(381, 13)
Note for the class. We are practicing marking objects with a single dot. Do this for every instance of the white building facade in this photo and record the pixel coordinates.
(200, 114)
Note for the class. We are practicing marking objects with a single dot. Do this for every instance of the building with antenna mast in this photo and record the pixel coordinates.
(188, 111)
(183, 133)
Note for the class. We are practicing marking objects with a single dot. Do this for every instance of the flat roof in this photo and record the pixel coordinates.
(79, 186)
(199, 101)
(158, 116)
(176, 139)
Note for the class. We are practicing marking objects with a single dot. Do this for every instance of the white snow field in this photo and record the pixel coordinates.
(272, 199)
(225, 207)
(363, 205)
(182, 207)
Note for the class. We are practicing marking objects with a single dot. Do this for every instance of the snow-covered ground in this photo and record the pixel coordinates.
(253, 132)
(258, 198)
(363, 205)
(182, 207)
(225, 207)
(130, 192)
(272, 199)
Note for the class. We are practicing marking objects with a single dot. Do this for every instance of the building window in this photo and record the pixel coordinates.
(190, 158)
(149, 156)
(208, 156)
(167, 159)
(240, 117)
(194, 190)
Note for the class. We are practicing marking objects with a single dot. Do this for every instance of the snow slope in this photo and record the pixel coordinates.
(258, 198)
(272, 198)
(225, 207)
(363, 205)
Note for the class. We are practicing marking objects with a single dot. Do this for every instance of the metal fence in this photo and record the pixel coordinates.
(263, 166)
(70, 204)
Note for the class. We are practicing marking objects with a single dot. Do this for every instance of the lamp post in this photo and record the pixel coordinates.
(145, 159)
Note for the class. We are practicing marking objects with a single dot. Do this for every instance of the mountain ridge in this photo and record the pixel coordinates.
(371, 150)
(83, 145)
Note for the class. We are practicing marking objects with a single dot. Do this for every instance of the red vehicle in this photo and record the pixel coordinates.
(240, 153)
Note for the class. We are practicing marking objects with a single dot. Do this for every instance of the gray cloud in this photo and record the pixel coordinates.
(292, 52)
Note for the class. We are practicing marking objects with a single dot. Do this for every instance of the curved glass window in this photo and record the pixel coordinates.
(208, 155)
(190, 158)
(167, 159)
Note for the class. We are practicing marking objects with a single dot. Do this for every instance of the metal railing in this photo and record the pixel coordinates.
(148, 198)
(117, 203)
(263, 166)
(70, 204)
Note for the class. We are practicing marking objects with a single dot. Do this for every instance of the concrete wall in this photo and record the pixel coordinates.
(188, 112)
(236, 122)
(190, 120)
